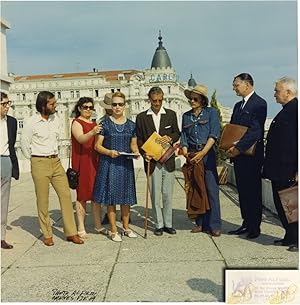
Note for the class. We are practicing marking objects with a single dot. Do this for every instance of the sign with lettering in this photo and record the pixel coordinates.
(162, 77)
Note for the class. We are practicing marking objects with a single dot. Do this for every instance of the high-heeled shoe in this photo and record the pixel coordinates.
(83, 234)
(129, 233)
(115, 237)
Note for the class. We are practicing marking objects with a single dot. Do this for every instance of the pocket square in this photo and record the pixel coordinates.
(168, 126)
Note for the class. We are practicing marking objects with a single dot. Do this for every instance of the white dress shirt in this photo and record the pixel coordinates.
(4, 137)
(156, 117)
(40, 136)
(246, 98)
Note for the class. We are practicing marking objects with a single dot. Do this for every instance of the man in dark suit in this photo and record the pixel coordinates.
(9, 162)
(250, 112)
(162, 178)
(281, 160)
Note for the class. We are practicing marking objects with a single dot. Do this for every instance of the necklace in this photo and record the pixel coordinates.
(121, 128)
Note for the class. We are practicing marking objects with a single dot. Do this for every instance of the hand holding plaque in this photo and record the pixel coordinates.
(157, 149)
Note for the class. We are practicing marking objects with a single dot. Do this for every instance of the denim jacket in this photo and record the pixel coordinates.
(197, 130)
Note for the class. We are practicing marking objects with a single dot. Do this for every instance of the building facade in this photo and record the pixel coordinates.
(69, 87)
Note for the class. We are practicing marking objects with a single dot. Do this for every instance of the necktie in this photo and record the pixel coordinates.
(242, 105)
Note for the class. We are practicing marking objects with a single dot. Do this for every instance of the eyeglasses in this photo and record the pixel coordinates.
(84, 107)
(196, 99)
(5, 104)
(117, 104)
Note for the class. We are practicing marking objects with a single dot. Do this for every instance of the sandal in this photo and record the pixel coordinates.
(115, 237)
(129, 233)
(83, 234)
(102, 231)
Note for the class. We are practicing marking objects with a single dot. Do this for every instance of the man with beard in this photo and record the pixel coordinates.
(39, 143)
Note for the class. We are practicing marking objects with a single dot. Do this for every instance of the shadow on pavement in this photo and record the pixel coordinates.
(31, 224)
(207, 286)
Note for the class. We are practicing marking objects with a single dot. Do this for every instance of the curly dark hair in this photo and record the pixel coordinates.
(81, 101)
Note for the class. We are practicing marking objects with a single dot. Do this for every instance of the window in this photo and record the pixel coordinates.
(121, 77)
(96, 93)
(72, 94)
(58, 95)
(169, 89)
(77, 94)
(23, 97)
(112, 90)
(20, 124)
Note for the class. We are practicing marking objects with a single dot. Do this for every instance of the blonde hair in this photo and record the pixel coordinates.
(118, 94)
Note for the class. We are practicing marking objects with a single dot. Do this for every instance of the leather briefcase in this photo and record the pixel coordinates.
(231, 135)
(289, 201)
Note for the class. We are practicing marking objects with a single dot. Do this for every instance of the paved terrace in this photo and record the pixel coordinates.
(177, 268)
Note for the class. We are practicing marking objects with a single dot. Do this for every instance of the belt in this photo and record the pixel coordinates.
(196, 146)
(48, 157)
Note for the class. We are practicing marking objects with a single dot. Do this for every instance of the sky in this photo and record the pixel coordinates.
(213, 40)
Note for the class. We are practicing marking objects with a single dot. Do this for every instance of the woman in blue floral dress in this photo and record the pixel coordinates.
(115, 181)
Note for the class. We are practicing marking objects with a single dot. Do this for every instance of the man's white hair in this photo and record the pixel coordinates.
(288, 83)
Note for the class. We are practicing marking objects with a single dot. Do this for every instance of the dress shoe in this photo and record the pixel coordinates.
(216, 233)
(252, 235)
(5, 245)
(197, 229)
(169, 230)
(158, 232)
(239, 231)
(293, 248)
(75, 239)
(281, 242)
(48, 242)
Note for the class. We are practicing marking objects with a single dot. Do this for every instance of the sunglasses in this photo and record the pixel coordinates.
(87, 107)
(5, 104)
(196, 99)
(118, 104)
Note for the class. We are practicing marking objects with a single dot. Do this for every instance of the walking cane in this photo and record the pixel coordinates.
(147, 200)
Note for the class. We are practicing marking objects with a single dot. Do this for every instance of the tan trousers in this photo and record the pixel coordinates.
(45, 171)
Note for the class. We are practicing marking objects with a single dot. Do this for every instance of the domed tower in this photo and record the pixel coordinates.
(161, 58)
(191, 82)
